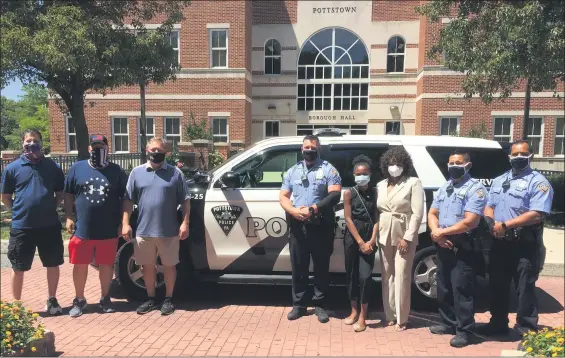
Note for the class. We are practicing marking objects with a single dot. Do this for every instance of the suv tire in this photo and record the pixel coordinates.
(424, 284)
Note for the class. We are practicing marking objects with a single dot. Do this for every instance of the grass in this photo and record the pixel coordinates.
(6, 219)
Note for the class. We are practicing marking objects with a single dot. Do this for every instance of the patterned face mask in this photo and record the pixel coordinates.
(99, 157)
(32, 151)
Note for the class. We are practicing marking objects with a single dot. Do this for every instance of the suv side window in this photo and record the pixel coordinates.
(266, 169)
(341, 157)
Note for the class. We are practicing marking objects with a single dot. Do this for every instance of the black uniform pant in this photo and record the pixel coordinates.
(455, 288)
(518, 261)
(358, 271)
(315, 240)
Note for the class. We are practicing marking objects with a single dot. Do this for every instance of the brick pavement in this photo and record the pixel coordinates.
(247, 321)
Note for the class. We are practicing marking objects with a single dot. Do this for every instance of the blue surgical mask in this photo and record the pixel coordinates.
(362, 180)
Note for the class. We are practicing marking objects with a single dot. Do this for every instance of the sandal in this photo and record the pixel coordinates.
(349, 321)
(359, 328)
(400, 327)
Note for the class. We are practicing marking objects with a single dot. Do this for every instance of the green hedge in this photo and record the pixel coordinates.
(557, 181)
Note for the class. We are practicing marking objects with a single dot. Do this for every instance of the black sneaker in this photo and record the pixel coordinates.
(53, 307)
(460, 341)
(296, 313)
(167, 307)
(78, 307)
(106, 305)
(441, 329)
(146, 306)
(491, 330)
(322, 315)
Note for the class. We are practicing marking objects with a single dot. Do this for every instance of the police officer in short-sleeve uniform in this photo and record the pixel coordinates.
(518, 202)
(455, 213)
(309, 192)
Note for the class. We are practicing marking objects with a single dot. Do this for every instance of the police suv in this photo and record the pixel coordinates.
(238, 231)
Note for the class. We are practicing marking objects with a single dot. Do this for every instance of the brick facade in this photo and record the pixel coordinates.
(245, 94)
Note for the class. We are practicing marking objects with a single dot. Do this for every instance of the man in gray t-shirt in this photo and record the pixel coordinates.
(158, 189)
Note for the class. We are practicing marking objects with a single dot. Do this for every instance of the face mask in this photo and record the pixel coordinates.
(32, 151)
(99, 157)
(457, 171)
(395, 171)
(310, 155)
(520, 163)
(156, 157)
(362, 180)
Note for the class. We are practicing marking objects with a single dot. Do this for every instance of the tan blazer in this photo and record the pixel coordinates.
(401, 211)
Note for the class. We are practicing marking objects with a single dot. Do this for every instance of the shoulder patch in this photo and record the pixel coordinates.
(334, 171)
(480, 193)
(543, 187)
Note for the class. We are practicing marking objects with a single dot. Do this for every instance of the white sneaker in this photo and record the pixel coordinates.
(53, 307)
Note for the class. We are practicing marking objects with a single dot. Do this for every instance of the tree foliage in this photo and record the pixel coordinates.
(500, 43)
(198, 129)
(479, 131)
(74, 46)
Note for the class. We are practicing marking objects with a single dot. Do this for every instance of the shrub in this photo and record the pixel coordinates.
(215, 158)
(545, 343)
(557, 181)
(18, 328)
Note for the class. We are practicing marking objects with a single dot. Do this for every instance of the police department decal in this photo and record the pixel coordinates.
(226, 216)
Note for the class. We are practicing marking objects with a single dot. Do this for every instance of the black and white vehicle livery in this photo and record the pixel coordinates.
(238, 231)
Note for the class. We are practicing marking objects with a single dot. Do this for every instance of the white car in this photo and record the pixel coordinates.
(238, 231)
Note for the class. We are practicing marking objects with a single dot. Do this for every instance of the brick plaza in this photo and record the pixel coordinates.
(226, 320)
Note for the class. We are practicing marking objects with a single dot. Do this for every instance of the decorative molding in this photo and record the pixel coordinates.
(214, 73)
(532, 113)
(384, 46)
(283, 73)
(274, 84)
(450, 113)
(273, 97)
(386, 96)
(461, 95)
(147, 114)
(96, 96)
(152, 26)
(218, 26)
(219, 114)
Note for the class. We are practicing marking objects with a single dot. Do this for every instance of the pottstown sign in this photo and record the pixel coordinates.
(334, 10)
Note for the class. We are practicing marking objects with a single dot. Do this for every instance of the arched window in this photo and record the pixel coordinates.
(272, 57)
(395, 54)
(333, 72)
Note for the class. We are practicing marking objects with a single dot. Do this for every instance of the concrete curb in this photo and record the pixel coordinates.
(549, 269)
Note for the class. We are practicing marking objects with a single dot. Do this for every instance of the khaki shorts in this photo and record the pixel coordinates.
(146, 249)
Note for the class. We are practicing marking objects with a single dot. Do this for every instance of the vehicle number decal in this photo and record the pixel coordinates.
(196, 196)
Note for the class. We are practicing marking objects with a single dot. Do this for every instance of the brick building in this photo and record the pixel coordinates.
(256, 69)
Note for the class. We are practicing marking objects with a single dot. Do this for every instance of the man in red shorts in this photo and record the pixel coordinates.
(95, 188)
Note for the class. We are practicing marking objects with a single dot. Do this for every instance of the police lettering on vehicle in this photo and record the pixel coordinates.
(274, 227)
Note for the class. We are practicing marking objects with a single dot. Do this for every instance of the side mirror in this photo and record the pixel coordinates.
(230, 180)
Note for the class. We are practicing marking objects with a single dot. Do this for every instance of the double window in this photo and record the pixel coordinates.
(534, 132)
(449, 126)
(173, 130)
(272, 57)
(395, 54)
(333, 72)
(392, 127)
(559, 136)
(219, 48)
(503, 129)
(272, 129)
(220, 130)
(120, 135)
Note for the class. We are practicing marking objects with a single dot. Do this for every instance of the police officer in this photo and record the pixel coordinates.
(309, 192)
(517, 204)
(455, 213)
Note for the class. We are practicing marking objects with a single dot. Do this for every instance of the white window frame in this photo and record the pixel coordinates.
(212, 49)
(450, 117)
(177, 49)
(265, 128)
(558, 135)
(165, 135)
(120, 135)
(495, 136)
(227, 135)
(68, 134)
(399, 126)
(265, 57)
(396, 54)
(139, 131)
(540, 149)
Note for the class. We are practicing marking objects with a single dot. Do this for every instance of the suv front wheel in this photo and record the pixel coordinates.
(424, 284)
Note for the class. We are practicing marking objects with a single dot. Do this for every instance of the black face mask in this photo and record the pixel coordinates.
(310, 155)
(456, 171)
(157, 157)
(519, 163)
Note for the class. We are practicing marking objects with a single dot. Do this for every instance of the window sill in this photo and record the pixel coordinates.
(221, 144)
(219, 68)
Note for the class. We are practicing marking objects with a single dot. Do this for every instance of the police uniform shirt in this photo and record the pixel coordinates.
(512, 196)
(454, 199)
(309, 185)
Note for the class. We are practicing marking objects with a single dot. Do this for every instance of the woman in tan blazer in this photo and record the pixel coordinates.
(400, 201)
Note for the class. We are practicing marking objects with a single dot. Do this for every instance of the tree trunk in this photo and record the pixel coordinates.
(77, 114)
(526, 109)
(142, 123)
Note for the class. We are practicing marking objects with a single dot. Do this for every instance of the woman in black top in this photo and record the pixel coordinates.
(361, 218)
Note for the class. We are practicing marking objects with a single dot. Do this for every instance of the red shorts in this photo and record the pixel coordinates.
(82, 252)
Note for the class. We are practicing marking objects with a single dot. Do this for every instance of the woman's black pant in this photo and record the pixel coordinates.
(358, 270)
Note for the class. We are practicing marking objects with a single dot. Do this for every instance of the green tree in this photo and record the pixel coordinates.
(8, 121)
(197, 129)
(75, 47)
(479, 131)
(500, 44)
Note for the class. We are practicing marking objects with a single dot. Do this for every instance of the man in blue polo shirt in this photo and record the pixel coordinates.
(95, 188)
(158, 189)
(36, 184)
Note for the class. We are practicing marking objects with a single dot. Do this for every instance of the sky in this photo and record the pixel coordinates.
(13, 90)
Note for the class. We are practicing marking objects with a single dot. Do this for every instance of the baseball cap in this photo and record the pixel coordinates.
(98, 139)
